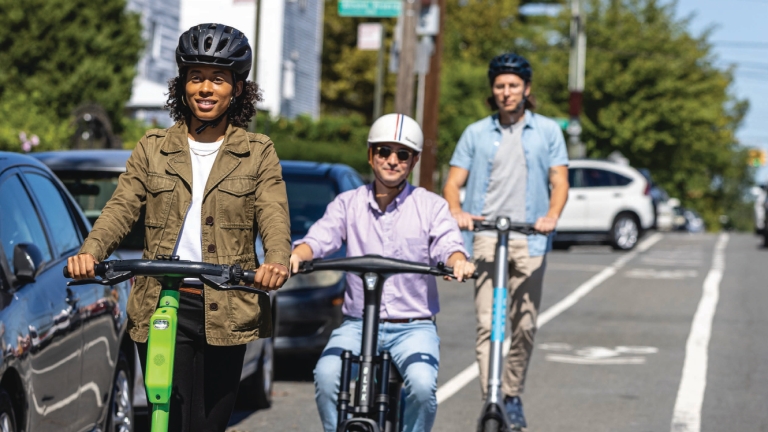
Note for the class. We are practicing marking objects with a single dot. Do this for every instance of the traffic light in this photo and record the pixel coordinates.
(756, 157)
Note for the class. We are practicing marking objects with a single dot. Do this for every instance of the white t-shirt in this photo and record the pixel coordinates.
(190, 245)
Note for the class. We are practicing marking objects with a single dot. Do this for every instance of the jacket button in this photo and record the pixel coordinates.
(211, 248)
(209, 220)
(214, 306)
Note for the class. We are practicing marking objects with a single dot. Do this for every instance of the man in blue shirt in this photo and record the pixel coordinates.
(508, 162)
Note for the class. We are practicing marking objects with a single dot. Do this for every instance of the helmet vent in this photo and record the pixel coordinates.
(222, 44)
(207, 43)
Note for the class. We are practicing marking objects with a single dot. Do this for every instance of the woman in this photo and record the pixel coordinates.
(207, 185)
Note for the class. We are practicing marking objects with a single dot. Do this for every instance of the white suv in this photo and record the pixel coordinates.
(607, 202)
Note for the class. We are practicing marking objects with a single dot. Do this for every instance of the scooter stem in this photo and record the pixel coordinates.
(499, 318)
(161, 349)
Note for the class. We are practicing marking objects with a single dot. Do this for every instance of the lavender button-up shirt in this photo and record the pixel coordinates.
(416, 226)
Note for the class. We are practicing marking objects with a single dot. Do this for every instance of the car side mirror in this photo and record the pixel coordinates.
(26, 260)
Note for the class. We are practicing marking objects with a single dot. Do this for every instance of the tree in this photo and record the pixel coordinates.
(348, 74)
(59, 54)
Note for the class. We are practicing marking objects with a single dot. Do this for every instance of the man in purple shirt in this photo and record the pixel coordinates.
(395, 219)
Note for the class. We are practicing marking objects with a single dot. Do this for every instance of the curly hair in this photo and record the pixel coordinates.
(239, 115)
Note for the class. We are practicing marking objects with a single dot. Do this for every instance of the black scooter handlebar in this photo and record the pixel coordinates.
(376, 264)
(219, 276)
(504, 224)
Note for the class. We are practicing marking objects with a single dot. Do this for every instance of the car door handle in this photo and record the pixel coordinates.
(580, 197)
(617, 195)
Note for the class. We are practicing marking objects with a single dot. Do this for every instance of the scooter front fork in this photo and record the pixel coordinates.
(161, 348)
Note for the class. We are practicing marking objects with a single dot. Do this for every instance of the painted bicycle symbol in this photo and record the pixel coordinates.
(596, 355)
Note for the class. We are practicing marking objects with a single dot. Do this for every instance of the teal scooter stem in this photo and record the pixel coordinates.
(493, 417)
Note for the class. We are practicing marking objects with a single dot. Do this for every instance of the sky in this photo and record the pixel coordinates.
(740, 38)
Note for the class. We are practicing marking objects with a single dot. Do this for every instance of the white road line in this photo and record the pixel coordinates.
(690, 395)
(452, 386)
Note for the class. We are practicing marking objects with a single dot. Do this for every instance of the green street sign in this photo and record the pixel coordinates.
(563, 122)
(370, 8)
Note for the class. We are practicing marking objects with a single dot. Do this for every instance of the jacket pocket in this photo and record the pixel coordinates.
(159, 198)
(235, 199)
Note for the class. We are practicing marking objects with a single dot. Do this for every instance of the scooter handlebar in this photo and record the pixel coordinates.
(376, 264)
(504, 224)
(219, 276)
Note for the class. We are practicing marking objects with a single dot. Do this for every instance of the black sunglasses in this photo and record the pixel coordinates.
(384, 152)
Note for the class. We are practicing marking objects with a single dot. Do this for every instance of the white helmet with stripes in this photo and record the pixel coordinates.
(397, 128)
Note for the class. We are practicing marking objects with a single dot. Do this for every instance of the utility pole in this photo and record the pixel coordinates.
(404, 96)
(432, 107)
(379, 86)
(255, 52)
(577, 62)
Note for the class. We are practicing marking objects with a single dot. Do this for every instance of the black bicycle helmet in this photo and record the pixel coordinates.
(510, 63)
(215, 45)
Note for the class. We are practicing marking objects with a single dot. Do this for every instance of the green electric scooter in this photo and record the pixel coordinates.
(161, 346)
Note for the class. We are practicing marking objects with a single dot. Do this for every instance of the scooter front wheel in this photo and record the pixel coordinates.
(491, 425)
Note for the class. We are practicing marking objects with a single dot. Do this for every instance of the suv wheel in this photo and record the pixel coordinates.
(121, 404)
(7, 417)
(625, 232)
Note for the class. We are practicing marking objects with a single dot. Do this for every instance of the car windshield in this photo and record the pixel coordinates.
(307, 199)
(92, 190)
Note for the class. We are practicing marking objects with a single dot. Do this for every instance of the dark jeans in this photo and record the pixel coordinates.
(205, 377)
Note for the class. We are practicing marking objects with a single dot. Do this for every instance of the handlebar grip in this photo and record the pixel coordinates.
(99, 269)
(248, 276)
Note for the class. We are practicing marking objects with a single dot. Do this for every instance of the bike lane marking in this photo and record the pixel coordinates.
(690, 395)
(458, 382)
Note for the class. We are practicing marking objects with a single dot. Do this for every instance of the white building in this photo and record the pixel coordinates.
(289, 52)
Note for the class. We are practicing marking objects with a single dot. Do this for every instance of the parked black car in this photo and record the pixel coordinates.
(308, 307)
(91, 177)
(67, 363)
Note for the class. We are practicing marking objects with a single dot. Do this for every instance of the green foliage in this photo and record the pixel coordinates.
(652, 91)
(133, 131)
(20, 116)
(340, 139)
(348, 74)
(59, 54)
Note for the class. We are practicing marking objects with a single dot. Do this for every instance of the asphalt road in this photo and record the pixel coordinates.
(668, 337)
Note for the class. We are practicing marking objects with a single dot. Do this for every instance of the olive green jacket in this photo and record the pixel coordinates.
(245, 193)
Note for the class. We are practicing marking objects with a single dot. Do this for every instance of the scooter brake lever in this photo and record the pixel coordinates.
(87, 282)
(244, 288)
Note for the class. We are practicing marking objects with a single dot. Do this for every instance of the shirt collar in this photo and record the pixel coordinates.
(399, 199)
(495, 125)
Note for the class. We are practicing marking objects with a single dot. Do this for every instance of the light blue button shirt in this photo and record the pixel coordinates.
(544, 147)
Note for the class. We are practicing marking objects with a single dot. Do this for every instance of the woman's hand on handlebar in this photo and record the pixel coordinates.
(546, 224)
(270, 276)
(462, 269)
(465, 220)
(81, 266)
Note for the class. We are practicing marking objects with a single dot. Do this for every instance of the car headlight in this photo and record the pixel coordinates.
(320, 279)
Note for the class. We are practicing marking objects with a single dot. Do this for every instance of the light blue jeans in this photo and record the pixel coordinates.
(415, 349)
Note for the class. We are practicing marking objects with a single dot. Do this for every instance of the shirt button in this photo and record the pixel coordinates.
(214, 306)
(209, 220)
(211, 248)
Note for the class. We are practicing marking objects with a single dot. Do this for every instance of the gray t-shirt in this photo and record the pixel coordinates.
(506, 188)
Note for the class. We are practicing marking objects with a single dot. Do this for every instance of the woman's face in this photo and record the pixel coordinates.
(209, 91)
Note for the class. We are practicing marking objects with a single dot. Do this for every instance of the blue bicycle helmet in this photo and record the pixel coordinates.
(510, 63)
